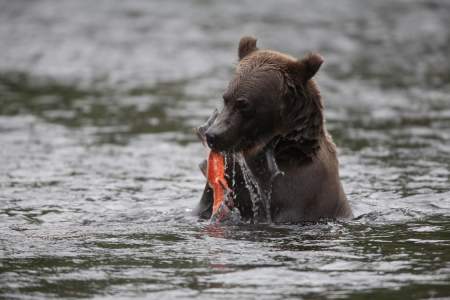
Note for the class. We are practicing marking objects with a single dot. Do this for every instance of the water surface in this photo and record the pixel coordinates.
(98, 161)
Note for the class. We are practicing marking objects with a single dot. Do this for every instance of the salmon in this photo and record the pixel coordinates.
(223, 210)
(216, 178)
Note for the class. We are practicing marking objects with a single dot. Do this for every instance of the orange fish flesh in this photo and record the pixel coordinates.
(216, 178)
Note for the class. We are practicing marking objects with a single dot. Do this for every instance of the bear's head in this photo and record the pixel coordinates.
(271, 95)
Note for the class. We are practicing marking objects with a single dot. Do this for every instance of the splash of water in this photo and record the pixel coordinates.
(255, 191)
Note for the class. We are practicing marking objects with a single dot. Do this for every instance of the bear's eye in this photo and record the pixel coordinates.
(242, 104)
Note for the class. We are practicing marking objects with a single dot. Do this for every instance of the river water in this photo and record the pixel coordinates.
(98, 161)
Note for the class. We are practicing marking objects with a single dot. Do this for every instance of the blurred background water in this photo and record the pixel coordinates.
(98, 162)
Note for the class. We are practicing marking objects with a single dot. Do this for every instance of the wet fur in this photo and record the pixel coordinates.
(310, 188)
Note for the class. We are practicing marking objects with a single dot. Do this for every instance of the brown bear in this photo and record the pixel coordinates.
(272, 119)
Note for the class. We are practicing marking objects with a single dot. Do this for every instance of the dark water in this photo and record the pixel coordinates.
(98, 162)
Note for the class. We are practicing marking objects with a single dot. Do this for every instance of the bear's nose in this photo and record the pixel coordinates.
(211, 138)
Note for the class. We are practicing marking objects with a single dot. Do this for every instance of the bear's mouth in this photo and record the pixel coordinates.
(229, 141)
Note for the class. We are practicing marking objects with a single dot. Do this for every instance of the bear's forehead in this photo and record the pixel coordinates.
(259, 81)
(260, 71)
(264, 58)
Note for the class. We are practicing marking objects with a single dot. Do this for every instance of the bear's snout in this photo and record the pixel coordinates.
(219, 139)
(214, 139)
(225, 132)
(210, 138)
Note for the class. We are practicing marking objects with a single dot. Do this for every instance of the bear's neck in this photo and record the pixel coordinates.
(305, 129)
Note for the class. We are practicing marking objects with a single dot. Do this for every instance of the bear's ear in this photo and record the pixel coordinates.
(306, 68)
(247, 45)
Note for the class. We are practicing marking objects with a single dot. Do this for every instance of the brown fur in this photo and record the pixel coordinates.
(273, 97)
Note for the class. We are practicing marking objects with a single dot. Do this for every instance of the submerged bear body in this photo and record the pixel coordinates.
(273, 115)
